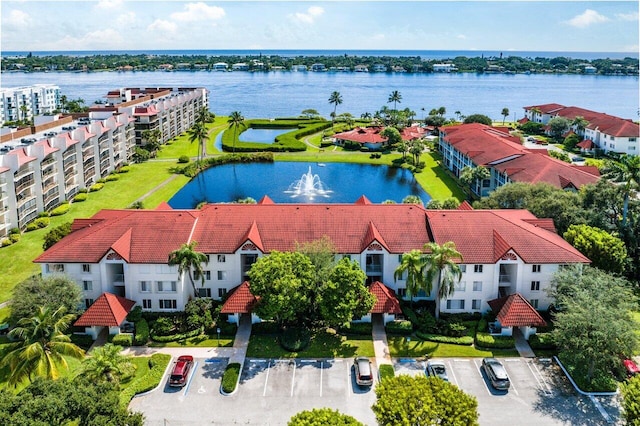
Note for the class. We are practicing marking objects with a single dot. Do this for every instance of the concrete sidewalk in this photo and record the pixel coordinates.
(380, 343)
(522, 346)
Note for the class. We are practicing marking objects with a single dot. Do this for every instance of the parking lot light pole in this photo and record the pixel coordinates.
(218, 330)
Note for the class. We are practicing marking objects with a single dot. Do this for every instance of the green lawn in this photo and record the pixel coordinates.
(4, 314)
(142, 368)
(323, 345)
(198, 341)
(398, 347)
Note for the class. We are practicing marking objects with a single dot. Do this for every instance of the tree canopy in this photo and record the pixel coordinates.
(631, 401)
(478, 118)
(405, 400)
(322, 417)
(558, 126)
(51, 291)
(606, 251)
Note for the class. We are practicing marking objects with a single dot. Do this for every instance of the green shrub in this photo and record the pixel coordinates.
(142, 332)
(83, 191)
(83, 341)
(386, 370)
(6, 243)
(265, 327)
(158, 364)
(31, 227)
(112, 178)
(96, 187)
(486, 340)
(80, 198)
(464, 340)
(193, 168)
(60, 210)
(542, 341)
(13, 231)
(183, 159)
(228, 328)
(602, 381)
(14, 238)
(124, 169)
(178, 336)
(400, 327)
(295, 339)
(357, 328)
(230, 377)
(135, 315)
(123, 339)
(163, 326)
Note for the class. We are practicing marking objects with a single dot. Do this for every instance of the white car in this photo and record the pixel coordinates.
(437, 369)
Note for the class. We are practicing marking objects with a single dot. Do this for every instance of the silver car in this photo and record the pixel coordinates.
(496, 373)
(363, 371)
(437, 369)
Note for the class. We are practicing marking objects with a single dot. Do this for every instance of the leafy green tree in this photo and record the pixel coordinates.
(152, 140)
(310, 113)
(406, 400)
(571, 141)
(335, 99)
(606, 251)
(322, 255)
(199, 133)
(560, 155)
(471, 175)
(450, 203)
(56, 234)
(322, 417)
(442, 268)
(504, 113)
(236, 120)
(442, 111)
(411, 199)
(63, 103)
(52, 292)
(190, 261)
(436, 121)
(580, 123)
(558, 126)
(344, 296)
(106, 363)
(198, 313)
(593, 323)
(413, 264)
(393, 136)
(532, 128)
(478, 118)
(626, 171)
(631, 401)
(416, 148)
(41, 346)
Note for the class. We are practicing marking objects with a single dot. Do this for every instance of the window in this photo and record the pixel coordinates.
(455, 304)
(477, 286)
(145, 287)
(166, 286)
(460, 286)
(222, 258)
(535, 285)
(562, 267)
(534, 303)
(536, 268)
(168, 304)
(486, 183)
(222, 292)
(477, 269)
(402, 292)
(463, 268)
(86, 268)
(87, 285)
(400, 258)
(222, 275)
(632, 139)
(475, 304)
(88, 302)
(146, 303)
(55, 267)
(204, 292)
(197, 277)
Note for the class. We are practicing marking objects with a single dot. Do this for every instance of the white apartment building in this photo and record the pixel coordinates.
(38, 99)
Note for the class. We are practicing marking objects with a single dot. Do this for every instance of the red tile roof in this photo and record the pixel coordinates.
(362, 135)
(545, 108)
(412, 132)
(465, 206)
(241, 301)
(483, 144)
(108, 310)
(386, 300)
(481, 236)
(605, 123)
(23, 157)
(516, 311)
(46, 146)
(586, 144)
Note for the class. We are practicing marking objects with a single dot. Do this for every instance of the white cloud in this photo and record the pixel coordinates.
(126, 19)
(16, 19)
(109, 4)
(199, 12)
(461, 37)
(309, 17)
(586, 18)
(162, 26)
(378, 37)
(99, 39)
(631, 16)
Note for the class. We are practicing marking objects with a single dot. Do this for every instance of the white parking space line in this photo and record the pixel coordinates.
(321, 371)
(600, 408)
(479, 370)
(453, 375)
(350, 391)
(293, 377)
(193, 372)
(544, 387)
(266, 379)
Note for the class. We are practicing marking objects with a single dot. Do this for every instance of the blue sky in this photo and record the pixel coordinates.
(587, 26)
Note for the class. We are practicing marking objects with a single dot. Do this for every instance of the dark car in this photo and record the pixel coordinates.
(437, 369)
(496, 373)
(363, 370)
(180, 371)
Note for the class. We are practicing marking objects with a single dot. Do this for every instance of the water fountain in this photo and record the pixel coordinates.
(309, 185)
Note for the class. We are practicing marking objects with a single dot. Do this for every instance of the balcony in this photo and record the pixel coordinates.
(504, 280)
(118, 279)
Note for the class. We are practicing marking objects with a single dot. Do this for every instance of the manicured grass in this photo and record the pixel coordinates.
(323, 345)
(142, 368)
(398, 347)
(4, 314)
(436, 181)
(198, 341)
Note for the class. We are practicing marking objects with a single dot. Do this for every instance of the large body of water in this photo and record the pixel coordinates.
(295, 182)
(280, 94)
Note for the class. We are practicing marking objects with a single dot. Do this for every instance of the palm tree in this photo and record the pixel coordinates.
(442, 111)
(440, 266)
(63, 102)
(580, 123)
(151, 140)
(458, 115)
(366, 116)
(413, 264)
(627, 171)
(235, 120)
(106, 363)
(41, 346)
(395, 97)
(199, 132)
(335, 99)
(470, 175)
(24, 110)
(504, 113)
(188, 260)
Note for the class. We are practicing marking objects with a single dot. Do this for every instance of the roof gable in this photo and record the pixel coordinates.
(515, 311)
(108, 310)
(240, 301)
(386, 300)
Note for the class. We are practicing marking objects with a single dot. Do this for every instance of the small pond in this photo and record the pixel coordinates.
(297, 182)
(262, 135)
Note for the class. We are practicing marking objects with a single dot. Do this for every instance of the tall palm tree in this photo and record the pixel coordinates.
(442, 111)
(106, 363)
(63, 102)
(235, 120)
(580, 123)
(41, 346)
(505, 114)
(199, 132)
(413, 263)
(189, 260)
(335, 99)
(627, 171)
(441, 267)
(396, 98)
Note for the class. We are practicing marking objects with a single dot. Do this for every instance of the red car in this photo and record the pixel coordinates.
(631, 367)
(181, 370)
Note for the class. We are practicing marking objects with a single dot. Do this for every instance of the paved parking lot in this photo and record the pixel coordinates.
(271, 391)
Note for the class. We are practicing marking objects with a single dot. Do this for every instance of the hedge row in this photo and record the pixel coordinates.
(39, 223)
(96, 187)
(80, 198)
(192, 169)
(357, 328)
(142, 332)
(486, 340)
(464, 340)
(179, 336)
(265, 327)
(289, 141)
(60, 210)
(401, 327)
(123, 339)
(542, 341)
(158, 364)
(230, 377)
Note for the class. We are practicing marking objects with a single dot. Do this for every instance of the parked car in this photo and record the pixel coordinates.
(630, 367)
(363, 371)
(437, 369)
(496, 373)
(181, 370)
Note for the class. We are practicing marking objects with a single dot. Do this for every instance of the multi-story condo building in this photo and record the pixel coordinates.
(43, 165)
(473, 145)
(125, 252)
(24, 103)
(606, 132)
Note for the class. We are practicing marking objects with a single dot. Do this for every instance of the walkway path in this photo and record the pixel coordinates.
(166, 182)
(380, 343)
(241, 342)
(522, 345)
